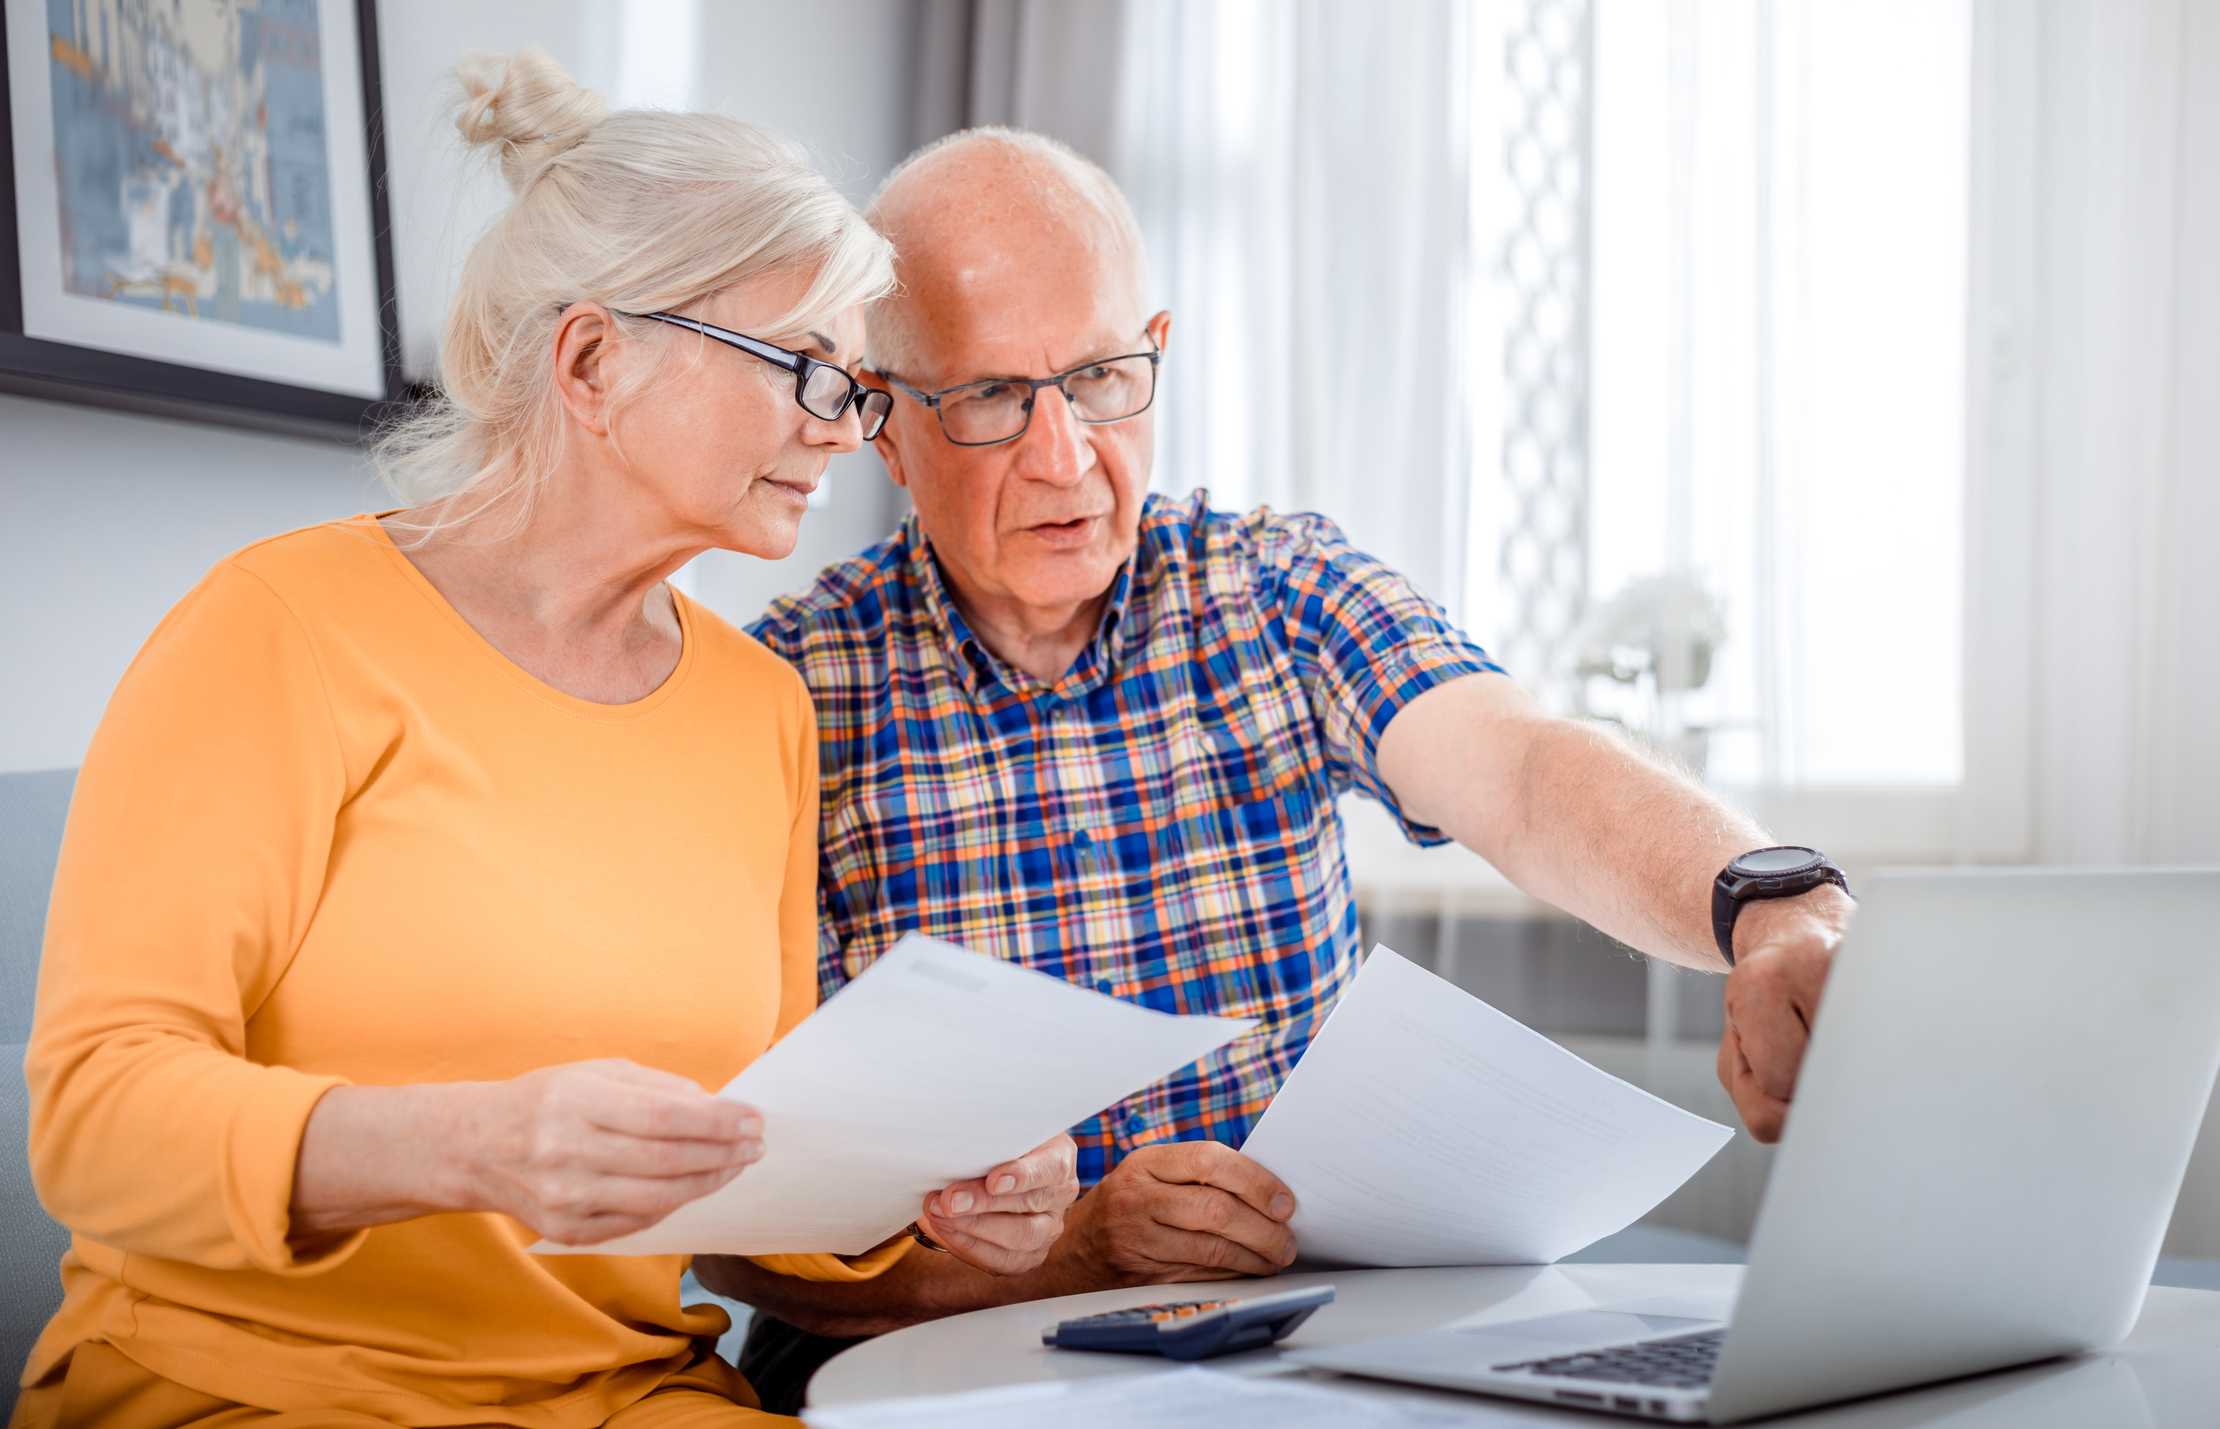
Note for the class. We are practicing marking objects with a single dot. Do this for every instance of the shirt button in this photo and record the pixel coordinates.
(1135, 1125)
(1102, 985)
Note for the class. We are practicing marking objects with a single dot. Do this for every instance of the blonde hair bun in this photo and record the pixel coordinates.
(639, 211)
(527, 108)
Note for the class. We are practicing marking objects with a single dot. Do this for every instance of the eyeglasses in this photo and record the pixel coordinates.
(999, 409)
(822, 390)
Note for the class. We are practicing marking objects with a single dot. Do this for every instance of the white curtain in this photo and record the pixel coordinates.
(1301, 173)
(2120, 328)
(1925, 375)
(1779, 369)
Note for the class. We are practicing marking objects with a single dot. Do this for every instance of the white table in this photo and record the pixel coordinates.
(2166, 1374)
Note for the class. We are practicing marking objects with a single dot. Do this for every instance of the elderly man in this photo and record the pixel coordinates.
(1102, 733)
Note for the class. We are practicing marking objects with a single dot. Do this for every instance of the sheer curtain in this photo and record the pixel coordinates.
(1300, 170)
(2105, 337)
(1904, 340)
(1780, 379)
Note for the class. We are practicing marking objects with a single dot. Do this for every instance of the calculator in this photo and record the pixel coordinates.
(1191, 1329)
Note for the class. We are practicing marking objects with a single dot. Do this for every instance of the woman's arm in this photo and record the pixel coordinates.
(580, 1153)
(197, 843)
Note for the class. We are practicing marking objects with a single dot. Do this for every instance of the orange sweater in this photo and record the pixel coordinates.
(327, 834)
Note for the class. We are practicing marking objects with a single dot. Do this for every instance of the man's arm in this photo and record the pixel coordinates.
(1576, 817)
(1183, 1211)
(923, 1285)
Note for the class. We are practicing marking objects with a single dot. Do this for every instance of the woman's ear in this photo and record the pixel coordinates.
(585, 336)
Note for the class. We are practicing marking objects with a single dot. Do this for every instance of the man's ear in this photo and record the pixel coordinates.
(584, 336)
(888, 443)
(1160, 330)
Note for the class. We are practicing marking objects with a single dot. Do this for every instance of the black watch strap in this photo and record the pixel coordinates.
(1781, 871)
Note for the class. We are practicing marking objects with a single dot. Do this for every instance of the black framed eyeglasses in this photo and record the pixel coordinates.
(822, 390)
(999, 409)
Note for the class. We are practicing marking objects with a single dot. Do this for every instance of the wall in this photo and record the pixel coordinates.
(105, 520)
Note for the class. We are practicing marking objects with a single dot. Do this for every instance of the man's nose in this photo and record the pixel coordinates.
(1054, 448)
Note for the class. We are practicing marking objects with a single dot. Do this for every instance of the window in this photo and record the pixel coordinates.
(1716, 265)
(1767, 236)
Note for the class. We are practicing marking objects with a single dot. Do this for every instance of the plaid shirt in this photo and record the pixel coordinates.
(1160, 823)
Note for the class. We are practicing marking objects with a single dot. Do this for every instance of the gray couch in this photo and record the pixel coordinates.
(32, 807)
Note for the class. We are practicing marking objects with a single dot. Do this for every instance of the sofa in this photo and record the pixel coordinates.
(32, 807)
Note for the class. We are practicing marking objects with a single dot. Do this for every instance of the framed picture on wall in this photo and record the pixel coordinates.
(192, 210)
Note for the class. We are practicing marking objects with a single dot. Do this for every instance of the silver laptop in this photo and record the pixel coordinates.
(1988, 1135)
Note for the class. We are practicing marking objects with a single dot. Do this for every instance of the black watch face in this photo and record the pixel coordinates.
(1771, 862)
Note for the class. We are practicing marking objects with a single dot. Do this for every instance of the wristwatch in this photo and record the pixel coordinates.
(1782, 871)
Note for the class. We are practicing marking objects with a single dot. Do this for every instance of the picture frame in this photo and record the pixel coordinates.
(193, 213)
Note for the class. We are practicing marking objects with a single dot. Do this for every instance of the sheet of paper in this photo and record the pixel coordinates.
(1173, 1399)
(933, 1066)
(1423, 1127)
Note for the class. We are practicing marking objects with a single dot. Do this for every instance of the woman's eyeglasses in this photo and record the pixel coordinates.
(823, 390)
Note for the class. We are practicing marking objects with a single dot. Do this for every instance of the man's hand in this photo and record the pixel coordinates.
(1006, 1221)
(1782, 951)
(1192, 1210)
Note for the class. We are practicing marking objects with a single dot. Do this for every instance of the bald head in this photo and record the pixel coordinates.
(986, 211)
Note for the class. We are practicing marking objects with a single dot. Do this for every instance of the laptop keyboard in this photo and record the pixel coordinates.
(1682, 1362)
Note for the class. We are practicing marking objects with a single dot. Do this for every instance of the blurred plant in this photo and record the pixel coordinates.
(1667, 627)
(1657, 638)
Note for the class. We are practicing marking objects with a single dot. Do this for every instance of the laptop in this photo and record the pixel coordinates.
(1989, 1131)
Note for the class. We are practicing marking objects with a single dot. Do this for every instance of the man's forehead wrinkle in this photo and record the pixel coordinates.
(1005, 268)
(987, 270)
(985, 327)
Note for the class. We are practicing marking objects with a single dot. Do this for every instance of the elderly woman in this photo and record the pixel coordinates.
(426, 867)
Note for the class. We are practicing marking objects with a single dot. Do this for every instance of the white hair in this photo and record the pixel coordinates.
(1051, 177)
(641, 211)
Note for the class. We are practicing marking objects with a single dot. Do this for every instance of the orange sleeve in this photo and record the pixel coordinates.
(191, 866)
(818, 1266)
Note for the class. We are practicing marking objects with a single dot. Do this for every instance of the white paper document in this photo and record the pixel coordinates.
(933, 1066)
(1195, 1398)
(1423, 1127)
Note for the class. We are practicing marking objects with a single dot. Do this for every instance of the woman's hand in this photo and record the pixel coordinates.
(588, 1151)
(1005, 1221)
(579, 1153)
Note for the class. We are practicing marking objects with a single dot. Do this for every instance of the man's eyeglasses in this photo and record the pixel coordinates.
(823, 390)
(985, 414)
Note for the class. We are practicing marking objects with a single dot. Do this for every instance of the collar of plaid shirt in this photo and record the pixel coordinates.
(987, 675)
